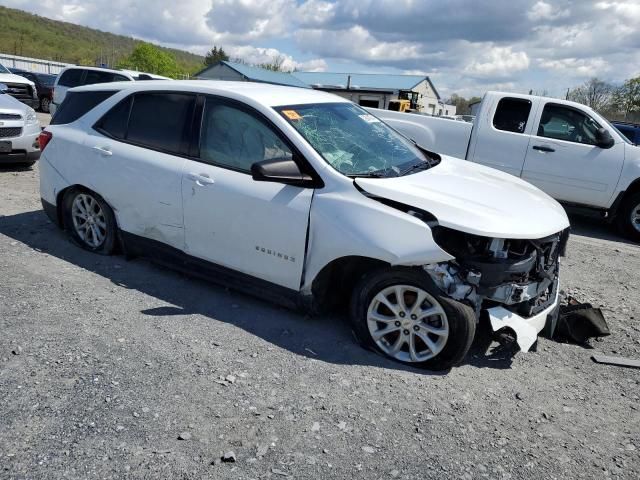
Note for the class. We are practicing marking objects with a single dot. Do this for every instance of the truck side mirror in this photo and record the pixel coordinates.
(604, 138)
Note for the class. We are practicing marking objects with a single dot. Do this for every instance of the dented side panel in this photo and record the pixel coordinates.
(143, 187)
(348, 223)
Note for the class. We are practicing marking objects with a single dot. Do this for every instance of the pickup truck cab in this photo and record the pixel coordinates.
(564, 148)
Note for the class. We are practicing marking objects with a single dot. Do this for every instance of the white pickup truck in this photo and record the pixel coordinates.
(566, 149)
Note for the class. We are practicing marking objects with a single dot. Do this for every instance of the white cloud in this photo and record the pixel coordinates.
(463, 44)
(546, 11)
(591, 67)
(498, 62)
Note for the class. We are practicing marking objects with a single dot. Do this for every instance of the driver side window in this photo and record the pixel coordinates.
(233, 138)
(565, 123)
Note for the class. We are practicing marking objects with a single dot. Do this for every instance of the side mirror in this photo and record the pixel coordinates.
(3, 88)
(604, 138)
(280, 170)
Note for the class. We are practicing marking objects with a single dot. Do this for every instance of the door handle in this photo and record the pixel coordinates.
(542, 148)
(104, 151)
(201, 179)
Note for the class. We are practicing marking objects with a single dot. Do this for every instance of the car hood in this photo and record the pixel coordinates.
(474, 199)
(12, 78)
(8, 104)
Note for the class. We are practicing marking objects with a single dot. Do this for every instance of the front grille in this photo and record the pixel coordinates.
(8, 132)
(21, 91)
(10, 116)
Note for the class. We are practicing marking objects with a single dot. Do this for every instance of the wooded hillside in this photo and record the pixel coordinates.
(22, 33)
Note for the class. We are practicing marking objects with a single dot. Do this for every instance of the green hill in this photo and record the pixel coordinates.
(22, 33)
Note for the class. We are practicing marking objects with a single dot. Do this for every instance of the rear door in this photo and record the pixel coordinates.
(257, 228)
(502, 136)
(564, 161)
(137, 152)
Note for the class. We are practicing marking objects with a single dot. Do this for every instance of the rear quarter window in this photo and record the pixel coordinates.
(70, 78)
(76, 104)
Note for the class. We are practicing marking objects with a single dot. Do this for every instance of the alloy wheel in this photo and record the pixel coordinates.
(89, 220)
(407, 323)
(635, 217)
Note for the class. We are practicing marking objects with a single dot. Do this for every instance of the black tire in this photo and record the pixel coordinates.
(461, 318)
(108, 245)
(45, 105)
(624, 217)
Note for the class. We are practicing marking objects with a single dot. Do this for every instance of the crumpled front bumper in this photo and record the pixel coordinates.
(526, 329)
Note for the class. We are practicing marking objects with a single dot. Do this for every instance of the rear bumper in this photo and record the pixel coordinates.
(24, 149)
(51, 211)
(19, 156)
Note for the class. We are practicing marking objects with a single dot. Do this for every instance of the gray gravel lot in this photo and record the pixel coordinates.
(123, 369)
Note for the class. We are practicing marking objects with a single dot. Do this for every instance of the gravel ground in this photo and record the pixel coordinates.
(123, 369)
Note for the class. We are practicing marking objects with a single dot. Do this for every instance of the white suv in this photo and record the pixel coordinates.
(19, 131)
(76, 76)
(304, 198)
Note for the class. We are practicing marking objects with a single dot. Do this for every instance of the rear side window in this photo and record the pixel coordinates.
(70, 78)
(114, 123)
(512, 115)
(76, 104)
(97, 76)
(161, 121)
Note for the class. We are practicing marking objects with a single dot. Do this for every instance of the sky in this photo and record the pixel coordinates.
(465, 46)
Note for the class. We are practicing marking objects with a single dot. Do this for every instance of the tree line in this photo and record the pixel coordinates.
(615, 102)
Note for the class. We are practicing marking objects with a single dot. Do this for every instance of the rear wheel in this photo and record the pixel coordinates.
(628, 218)
(89, 221)
(401, 314)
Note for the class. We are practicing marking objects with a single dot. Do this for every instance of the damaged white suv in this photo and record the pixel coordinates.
(304, 198)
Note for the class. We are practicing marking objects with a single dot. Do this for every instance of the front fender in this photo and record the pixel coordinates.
(352, 224)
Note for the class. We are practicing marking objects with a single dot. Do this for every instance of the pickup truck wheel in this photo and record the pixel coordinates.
(629, 217)
(401, 314)
(89, 221)
(45, 105)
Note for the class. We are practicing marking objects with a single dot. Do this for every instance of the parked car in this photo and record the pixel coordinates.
(629, 130)
(564, 148)
(77, 76)
(44, 86)
(19, 87)
(302, 197)
(19, 131)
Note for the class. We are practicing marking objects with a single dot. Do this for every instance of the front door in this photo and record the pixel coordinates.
(257, 228)
(564, 161)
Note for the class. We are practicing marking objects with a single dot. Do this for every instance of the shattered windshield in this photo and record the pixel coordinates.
(353, 141)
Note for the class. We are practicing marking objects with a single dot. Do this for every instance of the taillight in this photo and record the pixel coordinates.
(44, 139)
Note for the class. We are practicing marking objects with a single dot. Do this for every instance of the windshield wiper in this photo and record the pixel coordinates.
(416, 166)
(367, 175)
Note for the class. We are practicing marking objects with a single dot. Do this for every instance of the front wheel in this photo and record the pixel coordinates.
(89, 221)
(401, 314)
(628, 218)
